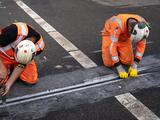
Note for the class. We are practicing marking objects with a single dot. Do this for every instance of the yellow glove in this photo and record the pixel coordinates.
(132, 72)
(123, 75)
(121, 72)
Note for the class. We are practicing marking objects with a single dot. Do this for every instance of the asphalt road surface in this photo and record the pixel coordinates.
(73, 83)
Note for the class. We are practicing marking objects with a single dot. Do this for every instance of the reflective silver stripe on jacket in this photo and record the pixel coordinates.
(24, 29)
(115, 58)
(139, 54)
(113, 38)
(114, 19)
(2, 49)
(40, 45)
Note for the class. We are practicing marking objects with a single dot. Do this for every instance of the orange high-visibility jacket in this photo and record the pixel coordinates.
(116, 29)
(22, 32)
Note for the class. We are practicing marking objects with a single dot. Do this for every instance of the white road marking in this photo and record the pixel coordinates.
(143, 114)
(140, 111)
(78, 55)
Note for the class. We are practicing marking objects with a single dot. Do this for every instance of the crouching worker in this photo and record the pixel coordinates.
(119, 33)
(19, 43)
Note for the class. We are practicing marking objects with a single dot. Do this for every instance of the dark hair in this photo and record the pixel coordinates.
(3, 40)
(8, 35)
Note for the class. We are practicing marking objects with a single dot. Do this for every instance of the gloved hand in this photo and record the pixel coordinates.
(121, 71)
(132, 72)
(123, 75)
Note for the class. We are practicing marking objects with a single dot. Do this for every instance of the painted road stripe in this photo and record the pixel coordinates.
(78, 55)
(86, 62)
(140, 111)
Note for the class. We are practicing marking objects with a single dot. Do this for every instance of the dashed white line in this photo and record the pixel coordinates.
(78, 55)
(140, 111)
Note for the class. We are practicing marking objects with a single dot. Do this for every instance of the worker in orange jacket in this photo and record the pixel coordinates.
(118, 34)
(10, 37)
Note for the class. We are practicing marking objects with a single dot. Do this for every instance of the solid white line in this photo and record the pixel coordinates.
(140, 111)
(78, 55)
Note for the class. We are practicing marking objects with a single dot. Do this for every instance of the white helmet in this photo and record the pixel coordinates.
(25, 51)
(139, 32)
